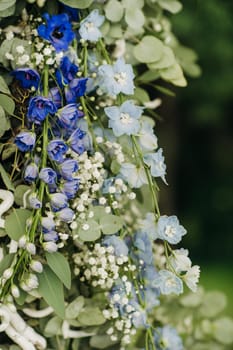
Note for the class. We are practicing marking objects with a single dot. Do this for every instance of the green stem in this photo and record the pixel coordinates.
(89, 123)
(104, 51)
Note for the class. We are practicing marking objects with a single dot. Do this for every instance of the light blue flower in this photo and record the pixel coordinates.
(146, 137)
(48, 224)
(143, 246)
(120, 248)
(169, 283)
(31, 173)
(65, 215)
(51, 236)
(68, 168)
(89, 27)
(56, 150)
(58, 201)
(117, 78)
(166, 338)
(48, 175)
(149, 225)
(25, 141)
(124, 119)
(169, 229)
(135, 176)
(70, 188)
(156, 163)
(34, 202)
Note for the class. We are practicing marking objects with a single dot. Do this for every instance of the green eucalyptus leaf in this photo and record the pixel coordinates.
(6, 179)
(8, 151)
(149, 50)
(133, 3)
(14, 347)
(171, 73)
(5, 4)
(165, 91)
(141, 95)
(51, 289)
(3, 86)
(15, 223)
(134, 17)
(110, 224)
(91, 316)
(74, 308)
(223, 330)
(148, 76)
(19, 194)
(7, 103)
(172, 6)
(77, 4)
(101, 341)
(213, 303)
(182, 82)
(4, 122)
(53, 327)
(5, 48)
(60, 266)
(93, 232)
(8, 12)
(114, 11)
(115, 31)
(6, 262)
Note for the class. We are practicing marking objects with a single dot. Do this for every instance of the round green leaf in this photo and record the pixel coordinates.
(223, 330)
(133, 3)
(53, 327)
(77, 4)
(167, 59)
(3, 86)
(174, 72)
(110, 224)
(114, 11)
(172, 6)
(149, 50)
(15, 223)
(91, 316)
(5, 4)
(60, 266)
(19, 194)
(4, 122)
(93, 232)
(134, 17)
(74, 308)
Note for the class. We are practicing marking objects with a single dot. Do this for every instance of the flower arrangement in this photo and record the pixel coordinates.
(87, 259)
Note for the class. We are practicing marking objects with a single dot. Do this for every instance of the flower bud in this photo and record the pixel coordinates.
(15, 291)
(50, 247)
(31, 248)
(22, 242)
(36, 266)
(8, 273)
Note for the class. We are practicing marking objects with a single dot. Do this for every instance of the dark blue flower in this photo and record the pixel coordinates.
(76, 141)
(72, 13)
(34, 202)
(31, 172)
(55, 96)
(70, 188)
(48, 175)
(66, 72)
(58, 201)
(38, 109)
(27, 77)
(68, 116)
(51, 236)
(25, 141)
(75, 89)
(65, 215)
(56, 150)
(57, 30)
(68, 168)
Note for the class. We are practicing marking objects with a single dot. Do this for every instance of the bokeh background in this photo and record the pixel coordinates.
(198, 144)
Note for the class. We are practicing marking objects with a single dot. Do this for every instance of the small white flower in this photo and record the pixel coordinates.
(9, 35)
(22, 242)
(191, 278)
(85, 227)
(23, 59)
(9, 56)
(8, 273)
(50, 247)
(50, 61)
(31, 248)
(20, 49)
(36, 266)
(15, 291)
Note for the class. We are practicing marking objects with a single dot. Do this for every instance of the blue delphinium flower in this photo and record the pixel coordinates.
(66, 72)
(89, 27)
(25, 141)
(68, 168)
(58, 201)
(166, 338)
(149, 225)
(76, 141)
(76, 88)
(143, 246)
(31, 172)
(65, 215)
(55, 95)
(38, 109)
(48, 224)
(124, 119)
(169, 229)
(34, 202)
(72, 13)
(51, 236)
(146, 137)
(56, 150)
(68, 116)
(169, 283)
(135, 176)
(117, 78)
(156, 163)
(120, 248)
(57, 30)
(27, 77)
(70, 188)
(48, 175)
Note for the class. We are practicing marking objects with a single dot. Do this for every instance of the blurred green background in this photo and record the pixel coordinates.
(198, 144)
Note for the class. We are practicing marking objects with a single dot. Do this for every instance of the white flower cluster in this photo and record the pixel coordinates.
(100, 267)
